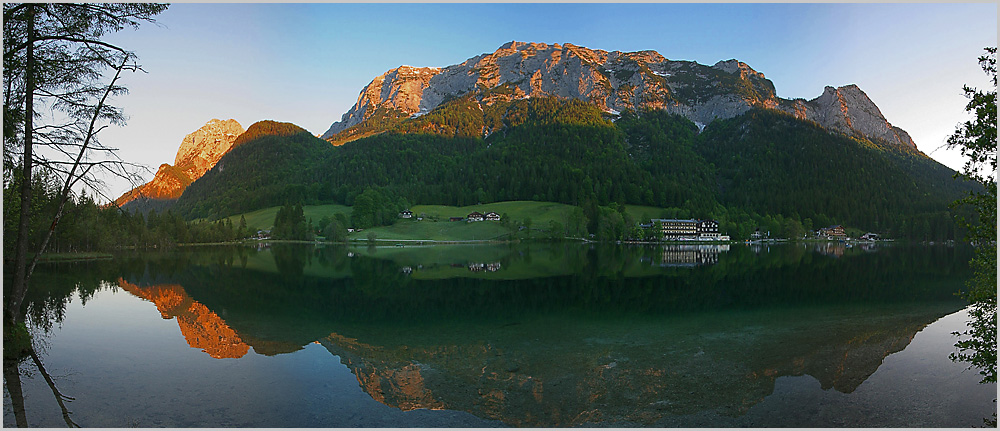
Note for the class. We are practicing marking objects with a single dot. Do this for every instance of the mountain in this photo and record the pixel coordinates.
(613, 82)
(199, 151)
(271, 162)
(595, 129)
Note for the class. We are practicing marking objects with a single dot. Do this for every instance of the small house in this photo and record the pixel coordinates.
(476, 216)
(406, 214)
(492, 216)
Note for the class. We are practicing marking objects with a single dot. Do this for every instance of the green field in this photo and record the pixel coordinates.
(435, 226)
(541, 213)
(264, 218)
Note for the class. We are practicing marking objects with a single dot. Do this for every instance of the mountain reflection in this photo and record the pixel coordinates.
(566, 336)
(560, 373)
(202, 328)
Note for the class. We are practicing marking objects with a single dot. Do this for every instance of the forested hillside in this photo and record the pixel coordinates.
(763, 165)
(769, 162)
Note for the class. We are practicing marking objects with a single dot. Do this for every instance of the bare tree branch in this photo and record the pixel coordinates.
(70, 181)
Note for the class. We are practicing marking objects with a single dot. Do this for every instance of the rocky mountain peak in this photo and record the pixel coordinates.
(520, 46)
(737, 67)
(201, 149)
(613, 81)
(850, 111)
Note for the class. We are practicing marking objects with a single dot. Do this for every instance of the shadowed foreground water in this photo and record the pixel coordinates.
(477, 336)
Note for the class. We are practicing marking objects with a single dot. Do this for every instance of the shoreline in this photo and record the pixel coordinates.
(93, 256)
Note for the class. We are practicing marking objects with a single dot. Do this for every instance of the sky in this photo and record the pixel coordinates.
(307, 63)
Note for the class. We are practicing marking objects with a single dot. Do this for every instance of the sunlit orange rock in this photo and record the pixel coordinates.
(202, 328)
(199, 152)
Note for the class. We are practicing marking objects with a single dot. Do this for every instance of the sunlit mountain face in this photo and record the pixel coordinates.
(613, 81)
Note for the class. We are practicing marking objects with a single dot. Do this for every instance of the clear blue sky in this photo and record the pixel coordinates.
(307, 63)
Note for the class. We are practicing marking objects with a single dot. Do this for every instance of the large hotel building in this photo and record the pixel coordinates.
(688, 229)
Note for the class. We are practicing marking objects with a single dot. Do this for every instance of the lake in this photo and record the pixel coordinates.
(540, 335)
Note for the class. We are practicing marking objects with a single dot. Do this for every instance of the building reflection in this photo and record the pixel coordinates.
(834, 249)
(691, 255)
(838, 249)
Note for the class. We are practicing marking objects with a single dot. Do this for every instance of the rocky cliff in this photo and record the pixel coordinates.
(199, 152)
(613, 81)
(848, 110)
(168, 183)
(204, 147)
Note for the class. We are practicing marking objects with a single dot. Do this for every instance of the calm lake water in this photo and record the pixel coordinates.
(541, 335)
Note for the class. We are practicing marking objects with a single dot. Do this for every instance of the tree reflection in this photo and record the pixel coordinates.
(290, 259)
(12, 381)
(60, 398)
(44, 308)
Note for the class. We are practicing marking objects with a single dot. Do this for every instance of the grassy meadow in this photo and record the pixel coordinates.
(264, 218)
(435, 226)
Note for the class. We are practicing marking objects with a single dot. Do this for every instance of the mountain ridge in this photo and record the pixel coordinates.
(613, 81)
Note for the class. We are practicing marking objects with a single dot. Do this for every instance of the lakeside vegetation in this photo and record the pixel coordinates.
(90, 228)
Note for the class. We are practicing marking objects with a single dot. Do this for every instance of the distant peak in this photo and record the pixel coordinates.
(515, 45)
(735, 66)
(268, 128)
(732, 65)
(852, 88)
(271, 127)
(412, 70)
(205, 145)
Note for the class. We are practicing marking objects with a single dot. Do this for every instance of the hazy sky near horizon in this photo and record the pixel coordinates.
(307, 63)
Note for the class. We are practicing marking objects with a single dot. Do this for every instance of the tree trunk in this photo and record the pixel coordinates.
(21, 246)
